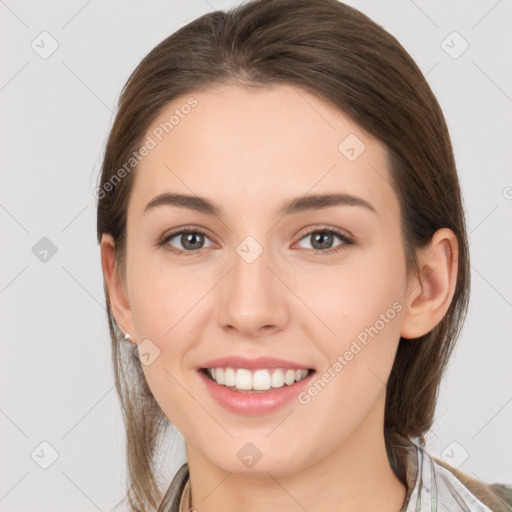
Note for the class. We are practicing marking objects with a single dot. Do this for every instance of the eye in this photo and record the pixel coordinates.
(190, 239)
(322, 240)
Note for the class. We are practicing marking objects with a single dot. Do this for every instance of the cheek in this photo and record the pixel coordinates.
(358, 308)
(163, 300)
(167, 307)
(163, 295)
(349, 298)
(364, 313)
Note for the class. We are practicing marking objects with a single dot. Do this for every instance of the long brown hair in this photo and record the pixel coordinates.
(337, 53)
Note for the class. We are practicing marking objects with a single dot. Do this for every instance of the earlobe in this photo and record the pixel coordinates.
(119, 303)
(430, 294)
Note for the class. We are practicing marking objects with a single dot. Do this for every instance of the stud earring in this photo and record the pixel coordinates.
(127, 337)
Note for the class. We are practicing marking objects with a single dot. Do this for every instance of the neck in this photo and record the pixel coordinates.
(355, 476)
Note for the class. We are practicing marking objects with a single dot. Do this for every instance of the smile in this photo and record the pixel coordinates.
(242, 379)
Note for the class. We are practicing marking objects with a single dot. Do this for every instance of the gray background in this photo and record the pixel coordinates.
(56, 379)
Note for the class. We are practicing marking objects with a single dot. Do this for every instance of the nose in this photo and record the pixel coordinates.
(252, 300)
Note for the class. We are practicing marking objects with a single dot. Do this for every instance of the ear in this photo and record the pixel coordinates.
(117, 294)
(430, 294)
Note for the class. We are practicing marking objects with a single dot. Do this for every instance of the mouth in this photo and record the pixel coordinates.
(264, 380)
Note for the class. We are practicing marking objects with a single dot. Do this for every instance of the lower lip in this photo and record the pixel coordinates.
(254, 404)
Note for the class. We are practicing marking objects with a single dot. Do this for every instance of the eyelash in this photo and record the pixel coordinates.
(163, 242)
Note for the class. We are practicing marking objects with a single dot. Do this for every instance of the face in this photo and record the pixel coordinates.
(318, 286)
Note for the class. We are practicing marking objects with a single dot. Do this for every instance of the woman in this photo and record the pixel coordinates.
(283, 242)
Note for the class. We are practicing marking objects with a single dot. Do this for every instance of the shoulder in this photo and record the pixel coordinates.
(449, 489)
(504, 492)
(171, 500)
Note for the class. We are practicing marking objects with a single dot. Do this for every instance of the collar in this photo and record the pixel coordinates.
(430, 487)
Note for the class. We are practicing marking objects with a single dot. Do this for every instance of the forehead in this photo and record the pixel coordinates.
(242, 146)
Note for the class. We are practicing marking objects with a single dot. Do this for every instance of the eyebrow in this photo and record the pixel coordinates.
(291, 206)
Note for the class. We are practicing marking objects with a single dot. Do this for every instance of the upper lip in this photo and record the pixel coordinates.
(252, 364)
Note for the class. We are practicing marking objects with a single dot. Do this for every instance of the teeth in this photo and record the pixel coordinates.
(277, 380)
(219, 375)
(229, 377)
(289, 377)
(261, 380)
(243, 379)
(258, 380)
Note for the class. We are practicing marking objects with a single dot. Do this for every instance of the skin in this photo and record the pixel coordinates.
(248, 151)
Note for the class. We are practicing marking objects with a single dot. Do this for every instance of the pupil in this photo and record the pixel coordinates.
(191, 237)
(328, 236)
